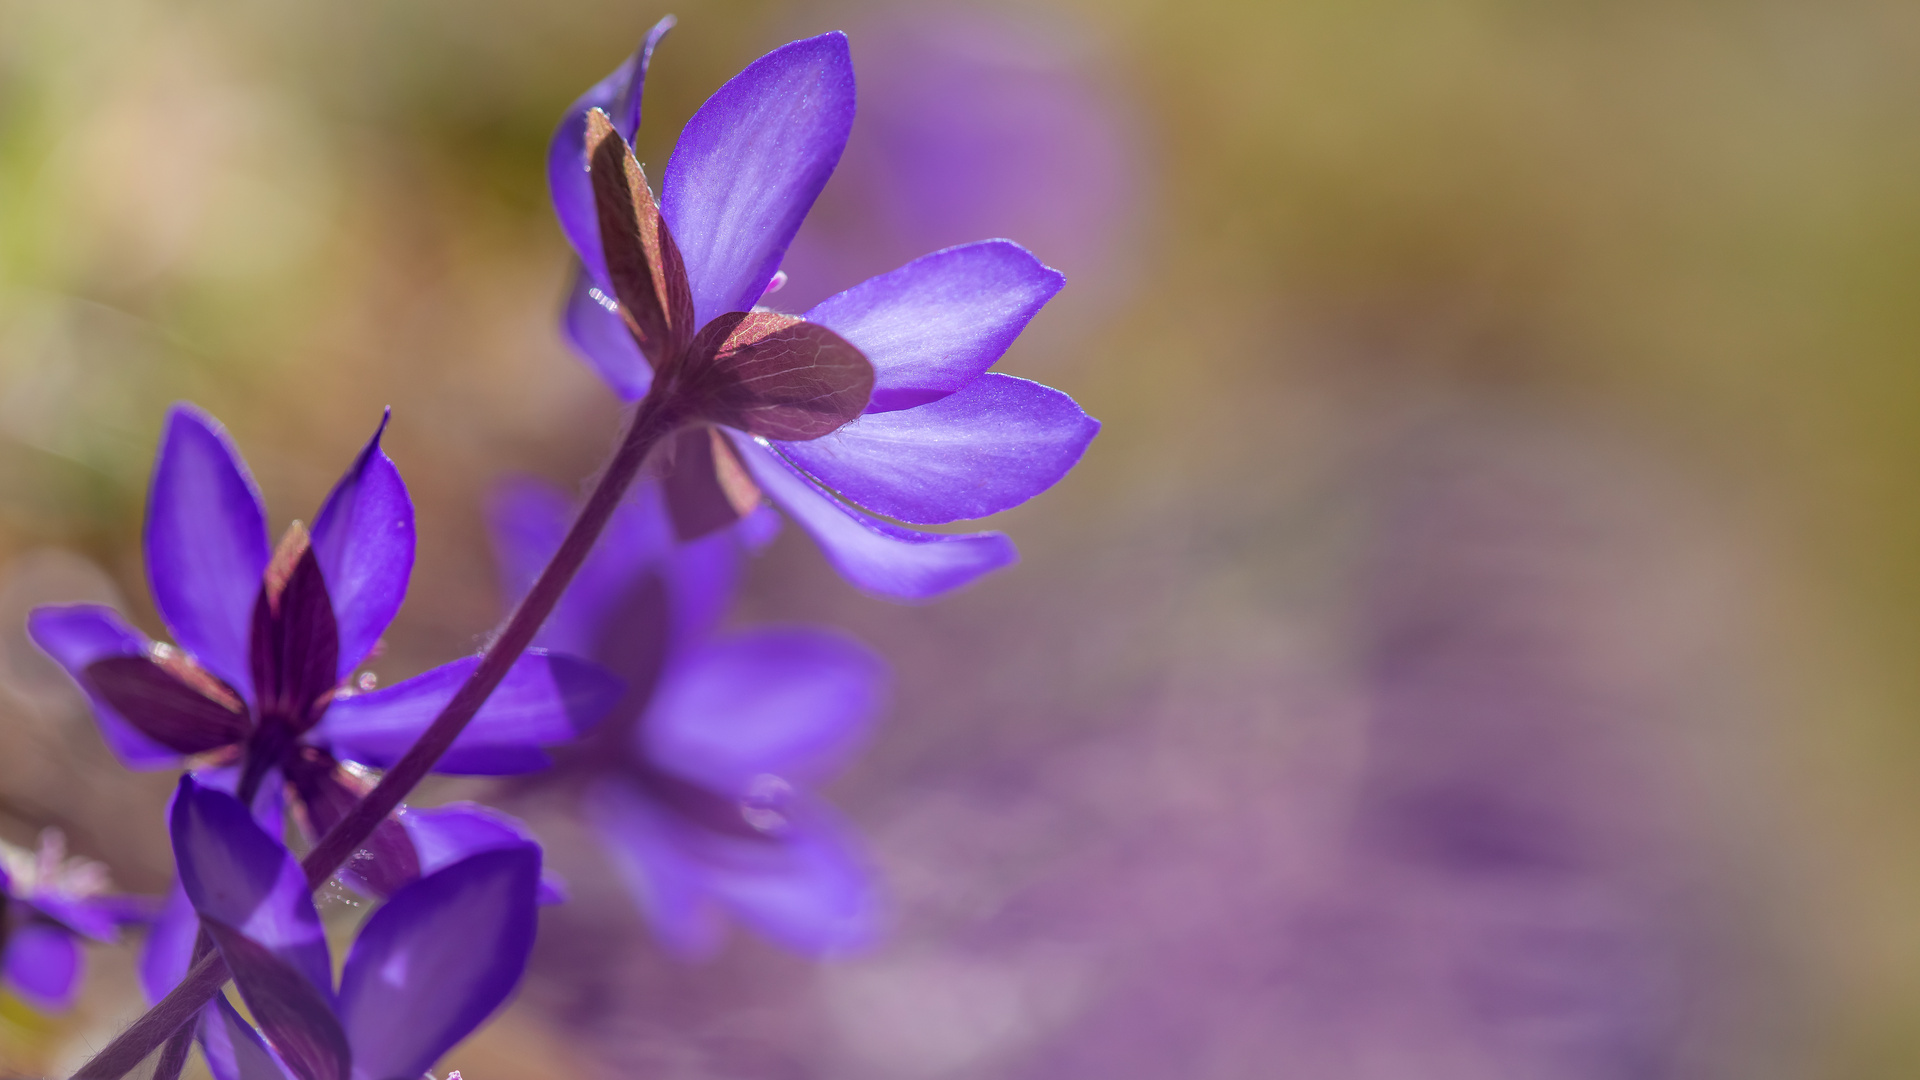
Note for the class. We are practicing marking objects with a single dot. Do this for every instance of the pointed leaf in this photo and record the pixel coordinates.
(296, 643)
(775, 375)
(643, 265)
(619, 94)
(166, 708)
(296, 1015)
(77, 635)
(363, 538)
(433, 963)
(707, 488)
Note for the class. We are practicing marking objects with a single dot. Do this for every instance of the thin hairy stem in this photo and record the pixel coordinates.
(653, 421)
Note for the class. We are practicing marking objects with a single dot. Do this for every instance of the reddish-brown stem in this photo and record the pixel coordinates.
(653, 421)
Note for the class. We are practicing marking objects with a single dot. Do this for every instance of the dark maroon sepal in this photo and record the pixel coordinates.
(775, 375)
(294, 1014)
(648, 277)
(388, 859)
(707, 488)
(296, 642)
(186, 714)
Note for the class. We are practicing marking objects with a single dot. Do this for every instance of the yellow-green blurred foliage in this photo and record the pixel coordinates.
(1693, 226)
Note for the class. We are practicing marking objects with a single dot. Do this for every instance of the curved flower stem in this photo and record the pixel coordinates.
(655, 419)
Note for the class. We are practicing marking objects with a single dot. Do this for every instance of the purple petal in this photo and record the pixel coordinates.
(206, 543)
(169, 949)
(528, 519)
(296, 1015)
(786, 703)
(619, 96)
(43, 964)
(592, 323)
(876, 555)
(416, 984)
(445, 835)
(97, 917)
(234, 1050)
(363, 539)
(813, 891)
(77, 635)
(749, 165)
(669, 886)
(984, 448)
(932, 326)
(544, 700)
(240, 877)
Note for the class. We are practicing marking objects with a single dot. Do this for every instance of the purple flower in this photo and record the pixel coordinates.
(427, 968)
(699, 781)
(269, 641)
(48, 902)
(940, 438)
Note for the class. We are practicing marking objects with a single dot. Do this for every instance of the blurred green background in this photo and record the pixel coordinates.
(1659, 259)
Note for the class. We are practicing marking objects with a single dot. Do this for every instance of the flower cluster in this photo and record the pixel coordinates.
(694, 750)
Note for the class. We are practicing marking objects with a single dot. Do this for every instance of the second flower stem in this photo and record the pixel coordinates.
(653, 421)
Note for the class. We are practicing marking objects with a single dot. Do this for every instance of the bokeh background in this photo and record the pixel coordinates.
(1480, 644)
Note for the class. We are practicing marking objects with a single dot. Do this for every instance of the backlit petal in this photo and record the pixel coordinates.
(984, 448)
(749, 165)
(206, 543)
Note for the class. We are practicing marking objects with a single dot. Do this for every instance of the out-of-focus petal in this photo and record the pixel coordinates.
(529, 518)
(234, 1050)
(812, 891)
(206, 543)
(876, 555)
(668, 886)
(749, 165)
(76, 635)
(43, 964)
(791, 703)
(437, 959)
(930, 327)
(592, 323)
(169, 949)
(984, 448)
(446, 834)
(544, 699)
(619, 96)
(97, 917)
(238, 876)
(363, 540)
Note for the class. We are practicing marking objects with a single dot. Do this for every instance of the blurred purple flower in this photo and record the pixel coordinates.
(48, 902)
(426, 969)
(698, 782)
(270, 639)
(941, 438)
